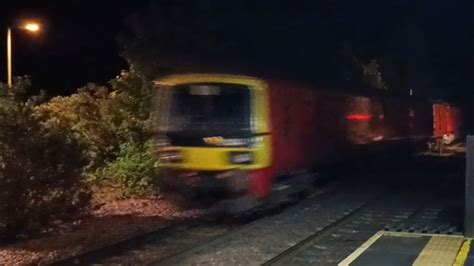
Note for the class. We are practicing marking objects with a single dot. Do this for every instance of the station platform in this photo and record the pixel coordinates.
(399, 249)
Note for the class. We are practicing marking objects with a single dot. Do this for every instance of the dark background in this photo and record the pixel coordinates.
(432, 39)
(77, 44)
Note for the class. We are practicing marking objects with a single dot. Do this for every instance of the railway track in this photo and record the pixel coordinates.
(266, 237)
(288, 254)
(425, 213)
(328, 234)
(320, 230)
(332, 244)
(157, 245)
(321, 241)
(94, 255)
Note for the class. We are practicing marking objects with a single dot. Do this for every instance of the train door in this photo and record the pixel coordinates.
(377, 121)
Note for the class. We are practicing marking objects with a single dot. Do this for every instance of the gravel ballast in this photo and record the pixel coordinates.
(110, 223)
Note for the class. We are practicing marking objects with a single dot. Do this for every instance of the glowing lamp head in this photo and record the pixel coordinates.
(33, 27)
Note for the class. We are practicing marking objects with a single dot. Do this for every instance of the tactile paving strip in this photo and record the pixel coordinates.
(440, 250)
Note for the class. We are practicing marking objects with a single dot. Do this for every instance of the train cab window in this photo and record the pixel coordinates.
(210, 106)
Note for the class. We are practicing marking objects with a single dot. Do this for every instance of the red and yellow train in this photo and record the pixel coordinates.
(239, 133)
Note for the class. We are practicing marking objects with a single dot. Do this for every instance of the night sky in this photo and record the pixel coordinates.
(79, 43)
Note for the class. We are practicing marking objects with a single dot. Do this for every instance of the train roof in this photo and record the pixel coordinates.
(185, 78)
(369, 92)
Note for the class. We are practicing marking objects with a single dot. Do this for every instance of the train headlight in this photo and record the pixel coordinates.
(255, 141)
(241, 157)
(170, 157)
(162, 142)
(235, 142)
(243, 142)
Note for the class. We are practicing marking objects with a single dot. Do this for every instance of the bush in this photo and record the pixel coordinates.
(39, 172)
(134, 169)
(112, 127)
(86, 118)
(49, 146)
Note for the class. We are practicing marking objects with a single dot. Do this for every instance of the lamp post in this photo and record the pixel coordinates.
(32, 27)
(9, 57)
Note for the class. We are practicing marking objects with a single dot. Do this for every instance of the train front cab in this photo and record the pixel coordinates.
(214, 134)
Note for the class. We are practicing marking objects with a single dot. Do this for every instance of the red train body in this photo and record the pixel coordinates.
(447, 120)
(300, 127)
(311, 127)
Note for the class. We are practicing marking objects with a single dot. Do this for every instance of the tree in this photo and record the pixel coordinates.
(372, 75)
(246, 37)
(407, 60)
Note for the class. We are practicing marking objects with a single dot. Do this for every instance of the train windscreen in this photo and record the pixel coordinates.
(211, 106)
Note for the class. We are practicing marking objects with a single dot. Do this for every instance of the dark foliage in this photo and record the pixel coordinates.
(112, 129)
(39, 169)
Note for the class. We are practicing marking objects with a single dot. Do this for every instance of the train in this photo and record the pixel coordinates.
(236, 135)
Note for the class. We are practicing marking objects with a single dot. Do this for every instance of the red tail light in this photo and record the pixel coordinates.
(358, 117)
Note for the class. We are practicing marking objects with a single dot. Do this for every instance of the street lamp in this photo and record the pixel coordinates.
(30, 26)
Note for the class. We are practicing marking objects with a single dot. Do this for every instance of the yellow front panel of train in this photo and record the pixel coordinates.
(209, 154)
(218, 159)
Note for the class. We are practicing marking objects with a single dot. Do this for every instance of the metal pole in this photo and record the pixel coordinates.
(9, 57)
(469, 196)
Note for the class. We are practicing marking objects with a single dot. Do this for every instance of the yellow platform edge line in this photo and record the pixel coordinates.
(354, 255)
(440, 250)
(406, 234)
(463, 253)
